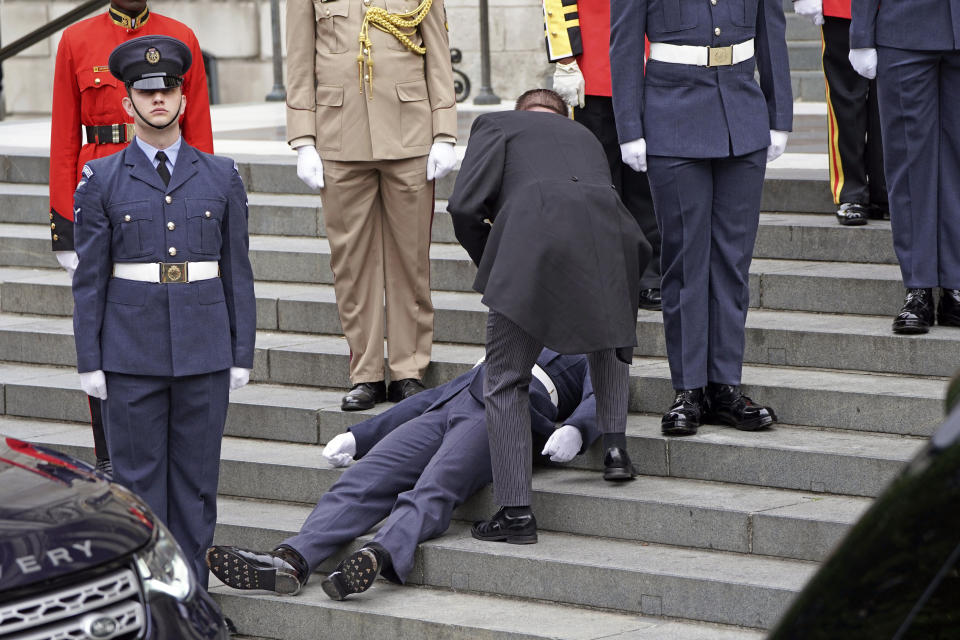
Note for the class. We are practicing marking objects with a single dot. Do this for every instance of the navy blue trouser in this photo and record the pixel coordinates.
(164, 435)
(919, 94)
(418, 474)
(708, 210)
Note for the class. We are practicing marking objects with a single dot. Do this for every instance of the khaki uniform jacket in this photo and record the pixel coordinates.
(413, 98)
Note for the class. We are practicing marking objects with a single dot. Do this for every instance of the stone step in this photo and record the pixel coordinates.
(786, 457)
(798, 523)
(806, 396)
(793, 338)
(801, 285)
(808, 86)
(760, 585)
(805, 55)
(439, 614)
(786, 189)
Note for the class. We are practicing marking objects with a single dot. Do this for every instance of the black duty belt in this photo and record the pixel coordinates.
(110, 134)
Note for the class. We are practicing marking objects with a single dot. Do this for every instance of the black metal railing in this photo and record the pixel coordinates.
(50, 28)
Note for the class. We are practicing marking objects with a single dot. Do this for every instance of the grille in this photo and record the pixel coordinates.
(105, 608)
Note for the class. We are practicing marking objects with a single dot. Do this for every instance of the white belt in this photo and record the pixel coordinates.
(540, 375)
(166, 272)
(701, 56)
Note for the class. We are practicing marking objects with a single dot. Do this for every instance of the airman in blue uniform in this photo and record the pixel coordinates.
(164, 309)
(913, 49)
(703, 128)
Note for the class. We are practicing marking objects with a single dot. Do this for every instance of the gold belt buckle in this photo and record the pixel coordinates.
(130, 132)
(171, 272)
(719, 56)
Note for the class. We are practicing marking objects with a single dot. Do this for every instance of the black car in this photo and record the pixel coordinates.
(82, 558)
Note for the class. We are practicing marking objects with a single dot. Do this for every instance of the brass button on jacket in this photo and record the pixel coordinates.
(171, 226)
(172, 251)
(168, 199)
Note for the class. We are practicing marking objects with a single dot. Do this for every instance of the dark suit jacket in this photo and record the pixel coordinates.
(122, 215)
(689, 111)
(921, 25)
(557, 252)
(576, 404)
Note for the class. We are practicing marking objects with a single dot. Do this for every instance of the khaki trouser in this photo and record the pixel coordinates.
(378, 216)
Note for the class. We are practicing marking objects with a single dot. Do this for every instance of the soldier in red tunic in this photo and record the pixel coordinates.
(578, 40)
(857, 181)
(89, 122)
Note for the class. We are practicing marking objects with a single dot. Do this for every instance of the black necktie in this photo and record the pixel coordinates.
(161, 158)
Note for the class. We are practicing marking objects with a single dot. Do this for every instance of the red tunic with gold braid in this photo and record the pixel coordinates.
(581, 28)
(85, 94)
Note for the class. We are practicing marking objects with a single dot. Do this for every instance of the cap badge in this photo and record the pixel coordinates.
(152, 55)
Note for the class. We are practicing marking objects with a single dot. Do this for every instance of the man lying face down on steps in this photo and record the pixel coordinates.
(415, 464)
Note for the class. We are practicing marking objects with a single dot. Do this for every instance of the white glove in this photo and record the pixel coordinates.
(341, 449)
(94, 383)
(564, 444)
(441, 161)
(864, 62)
(568, 83)
(778, 143)
(239, 377)
(812, 9)
(310, 166)
(68, 260)
(634, 154)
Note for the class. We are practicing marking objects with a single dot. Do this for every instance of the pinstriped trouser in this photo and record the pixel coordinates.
(511, 353)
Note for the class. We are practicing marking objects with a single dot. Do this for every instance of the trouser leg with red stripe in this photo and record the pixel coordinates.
(854, 148)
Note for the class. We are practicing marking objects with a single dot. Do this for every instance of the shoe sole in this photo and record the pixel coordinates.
(855, 222)
(509, 539)
(750, 425)
(683, 428)
(354, 575)
(911, 329)
(618, 474)
(652, 307)
(236, 572)
(357, 407)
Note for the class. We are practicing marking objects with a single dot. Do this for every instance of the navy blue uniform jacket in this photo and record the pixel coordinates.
(917, 25)
(576, 404)
(688, 111)
(122, 214)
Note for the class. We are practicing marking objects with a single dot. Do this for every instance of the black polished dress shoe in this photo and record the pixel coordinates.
(948, 311)
(403, 389)
(852, 214)
(726, 404)
(916, 314)
(364, 396)
(356, 572)
(617, 466)
(282, 570)
(878, 212)
(683, 417)
(515, 525)
(650, 299)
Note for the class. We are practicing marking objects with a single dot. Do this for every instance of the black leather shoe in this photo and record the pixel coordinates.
(916, 314)
(364, 396)
(282, 570)
(403, 389)
(683, 417)
(726, 404)
(948, 312)
(356, 572)
(519, 528)
(852, 214)
(650, 299)
(617, 466)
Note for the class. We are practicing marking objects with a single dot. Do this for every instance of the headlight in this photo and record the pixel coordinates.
(162, 566)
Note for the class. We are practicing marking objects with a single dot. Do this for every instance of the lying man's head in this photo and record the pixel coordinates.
(541, 100)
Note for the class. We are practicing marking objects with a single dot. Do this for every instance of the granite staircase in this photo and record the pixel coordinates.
(711, 542)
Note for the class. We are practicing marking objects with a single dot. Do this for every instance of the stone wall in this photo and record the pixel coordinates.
(238, 33)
